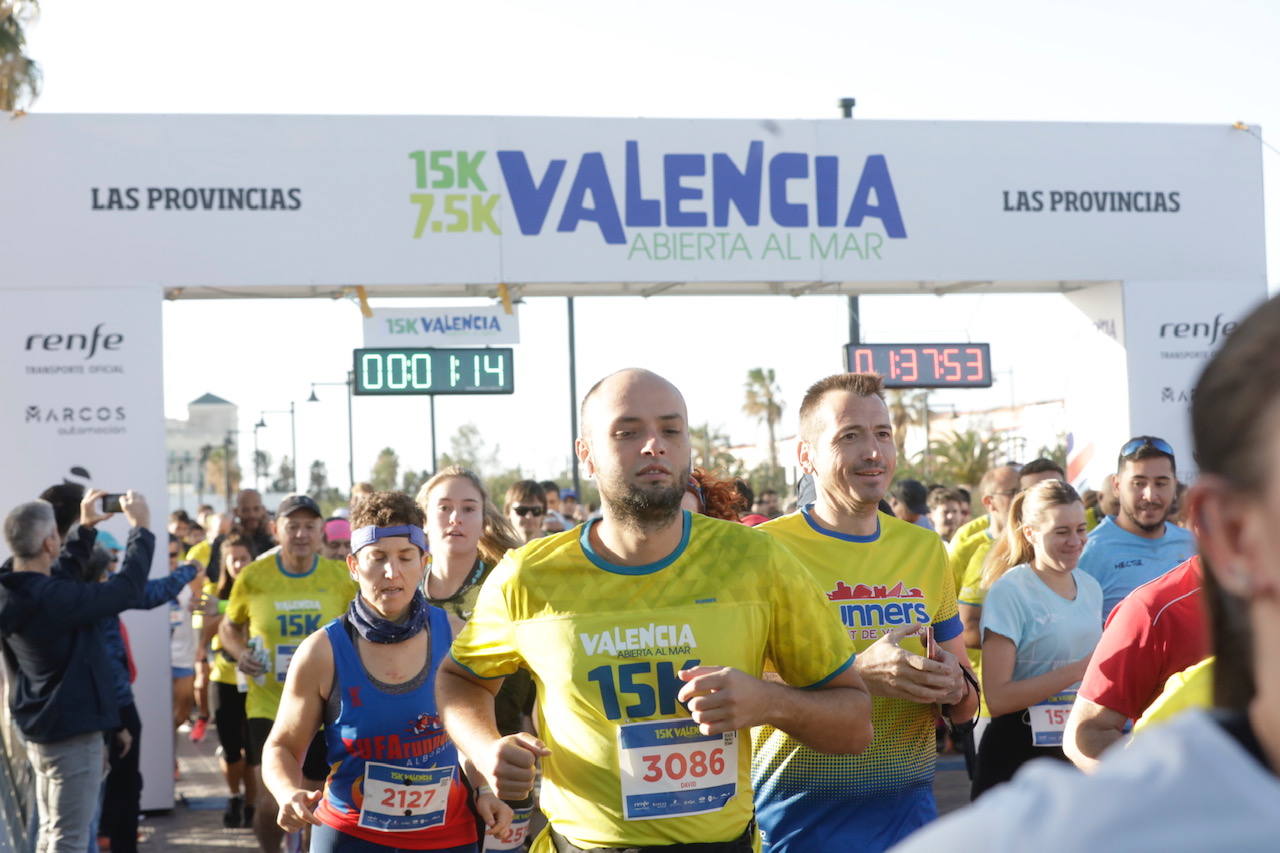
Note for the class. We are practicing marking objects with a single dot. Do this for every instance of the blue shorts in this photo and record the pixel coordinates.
(183, 672)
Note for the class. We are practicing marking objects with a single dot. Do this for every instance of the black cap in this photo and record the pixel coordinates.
(913, 495)
(293, 503)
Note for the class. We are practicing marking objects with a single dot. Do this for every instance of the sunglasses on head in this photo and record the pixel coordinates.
(1133, 445)
(522, 511)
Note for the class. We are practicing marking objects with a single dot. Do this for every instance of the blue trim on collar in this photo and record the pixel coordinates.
(819, 683)
(806, 511)
(584, 539)
(315, 561)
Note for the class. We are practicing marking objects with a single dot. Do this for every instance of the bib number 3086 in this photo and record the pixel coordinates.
(670, 769)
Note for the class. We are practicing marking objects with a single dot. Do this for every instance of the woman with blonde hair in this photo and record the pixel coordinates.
(1040, 622)
(467, 536)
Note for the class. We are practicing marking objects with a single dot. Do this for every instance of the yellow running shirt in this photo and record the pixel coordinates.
(283, 609)
(807, 801)
(973, 593)
(605, 643)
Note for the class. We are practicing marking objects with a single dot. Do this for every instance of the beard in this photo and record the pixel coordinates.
(1149, 528)
(644, 508)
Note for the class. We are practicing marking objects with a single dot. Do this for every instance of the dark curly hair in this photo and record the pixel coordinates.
(719, 497)
(386, 509)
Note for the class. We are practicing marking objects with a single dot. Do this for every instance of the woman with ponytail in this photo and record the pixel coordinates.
(368, 678)
(1040, 622)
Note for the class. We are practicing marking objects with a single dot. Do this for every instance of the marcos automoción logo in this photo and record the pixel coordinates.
(74, 414)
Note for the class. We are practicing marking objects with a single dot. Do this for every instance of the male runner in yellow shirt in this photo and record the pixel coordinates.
(647, 633)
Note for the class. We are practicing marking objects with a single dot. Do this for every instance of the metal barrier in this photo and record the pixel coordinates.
(17, 780)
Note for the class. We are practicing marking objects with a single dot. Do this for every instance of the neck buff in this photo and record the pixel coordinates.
(375, 629)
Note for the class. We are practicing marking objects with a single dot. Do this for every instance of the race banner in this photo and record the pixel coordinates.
(81, 382)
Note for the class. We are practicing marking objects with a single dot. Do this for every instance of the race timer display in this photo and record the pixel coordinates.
(923, 365)
(433, 371)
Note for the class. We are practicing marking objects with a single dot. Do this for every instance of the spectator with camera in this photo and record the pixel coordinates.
(63, 699)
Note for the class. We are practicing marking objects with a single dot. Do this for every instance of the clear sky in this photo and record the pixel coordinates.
(1083, 60)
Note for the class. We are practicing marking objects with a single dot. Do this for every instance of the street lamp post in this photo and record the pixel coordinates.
(293, 437)
(351, 454)
(257, 479)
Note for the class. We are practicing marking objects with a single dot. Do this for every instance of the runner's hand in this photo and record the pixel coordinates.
(496, 814)
(299, 810)
(890, 670)
(723, 699)
(250, 665)
(509, 766)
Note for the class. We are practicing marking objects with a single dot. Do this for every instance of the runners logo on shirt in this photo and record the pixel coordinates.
(879, 606)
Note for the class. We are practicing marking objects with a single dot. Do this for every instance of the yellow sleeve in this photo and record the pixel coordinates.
(971, 591)
(806, 644)
(486, 645)
(1184, 691)
(200, 553)
(238, 605)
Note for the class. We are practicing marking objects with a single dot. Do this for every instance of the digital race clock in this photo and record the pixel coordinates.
(434, 371)
(923, 365)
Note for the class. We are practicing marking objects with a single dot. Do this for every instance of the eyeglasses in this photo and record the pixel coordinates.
(522, 511)
(1133, 445)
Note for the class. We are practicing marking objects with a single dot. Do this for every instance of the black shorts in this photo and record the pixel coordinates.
(228, 717)
(314, 766)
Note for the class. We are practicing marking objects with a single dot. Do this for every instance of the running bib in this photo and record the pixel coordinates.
(284, 655)
(513, 838)
(670, 769)
(1049, 719)
(402, 799)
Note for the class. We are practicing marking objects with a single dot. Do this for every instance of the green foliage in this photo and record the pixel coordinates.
(20, 77)
(412, 480)
(1056, 452)
(386, 469)
(467, 448)
(261, 464)
(906, 409)
(284, 478)
(711, 451)
(768, 476)
(961, 458)
(764, 403)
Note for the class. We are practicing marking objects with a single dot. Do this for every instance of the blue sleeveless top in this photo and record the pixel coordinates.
(394, 774)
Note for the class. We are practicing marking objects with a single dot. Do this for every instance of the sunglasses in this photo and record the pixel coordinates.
(1133, 445)
(696, 490)
(522, 511)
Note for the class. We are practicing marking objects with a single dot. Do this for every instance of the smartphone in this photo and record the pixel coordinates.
(111, 503)
(931, 644)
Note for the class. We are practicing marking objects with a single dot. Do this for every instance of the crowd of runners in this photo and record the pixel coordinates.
(689, 666)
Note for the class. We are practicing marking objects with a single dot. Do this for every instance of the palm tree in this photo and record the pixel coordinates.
(711, 450)
(906, 409)
(961, 458)
(19, 76)
(764, 403)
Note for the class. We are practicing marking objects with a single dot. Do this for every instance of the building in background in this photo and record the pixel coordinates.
(195, 447)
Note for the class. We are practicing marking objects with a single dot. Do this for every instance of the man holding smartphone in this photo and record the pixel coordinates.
(63, 700)
(886, 582)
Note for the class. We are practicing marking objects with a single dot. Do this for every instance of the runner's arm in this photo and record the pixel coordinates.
(1004, 695)
(1091, 729)
(301, 715)
(834, 717)
(971, 617)
(234, 636)
(465, 701)
(963, 709)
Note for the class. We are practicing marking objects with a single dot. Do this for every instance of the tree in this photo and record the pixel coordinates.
(20, 77)
(412, 480)
(961, 458)
(1057, 452)
(467, 448)
(285, 480)
(215, 471)
(319, 479)
(261, 464)
(711, 450)
(906, 409)
(386, 470)
(764, 403)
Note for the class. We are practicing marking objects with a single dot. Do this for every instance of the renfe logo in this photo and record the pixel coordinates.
(803, 191)
(76, 342)
(1199, 330)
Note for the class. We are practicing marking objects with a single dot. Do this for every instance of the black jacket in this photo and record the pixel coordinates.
(62, 683)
